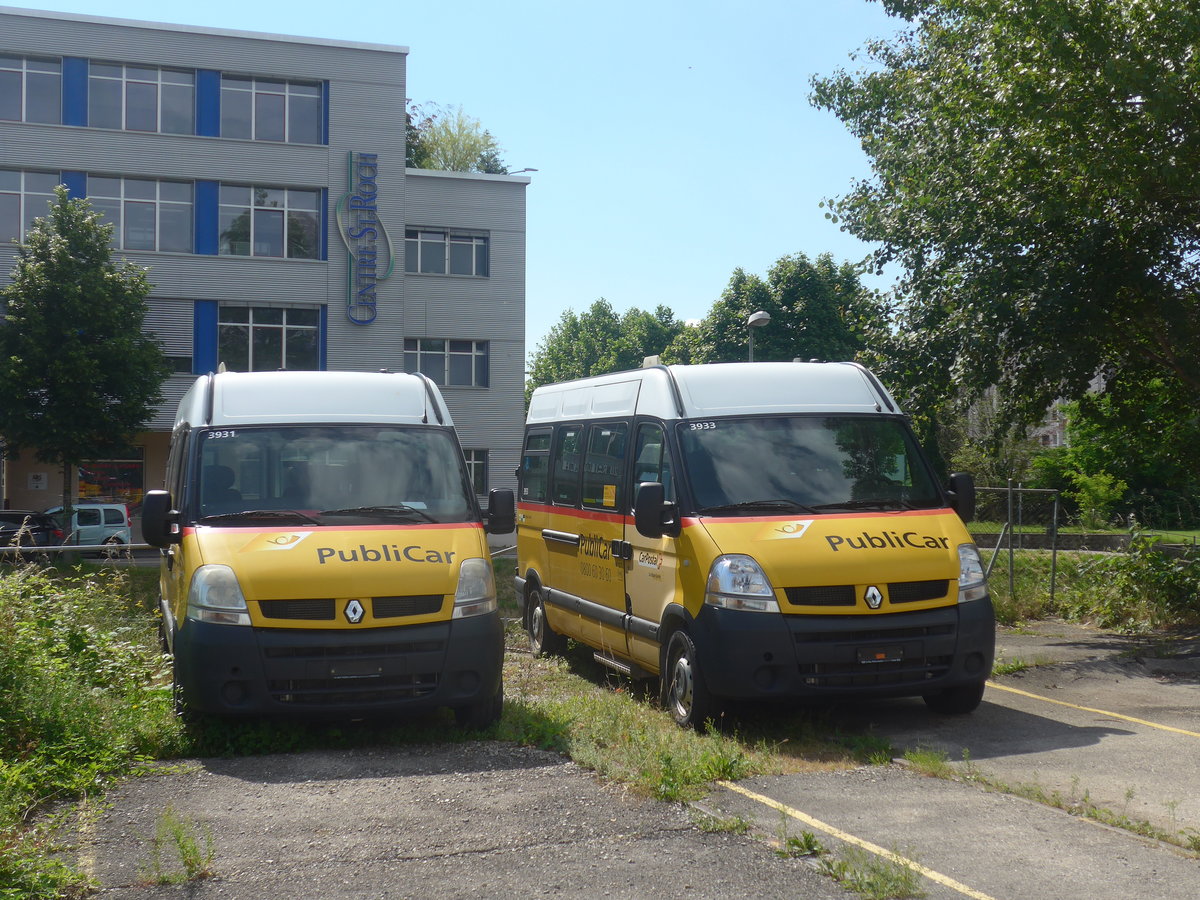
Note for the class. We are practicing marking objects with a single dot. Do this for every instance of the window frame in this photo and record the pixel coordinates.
(125, 80)
(476, 459)
(415, 356)
(437, 246)
(283, 326)
(262, 87)
(160, 206)
(24, 198)
(23, 73)
(259, 202)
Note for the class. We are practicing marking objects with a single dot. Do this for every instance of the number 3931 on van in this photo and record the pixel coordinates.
(323, 553)
(750, 531)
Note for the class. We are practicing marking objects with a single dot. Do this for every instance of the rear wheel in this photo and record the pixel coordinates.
(956, 701)
(112, 547)
(543, 640)
(685, 693)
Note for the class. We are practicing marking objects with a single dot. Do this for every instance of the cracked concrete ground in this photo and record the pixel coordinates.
(466, 820)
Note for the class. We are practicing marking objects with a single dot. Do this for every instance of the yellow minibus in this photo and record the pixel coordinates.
(749, 531)
(322, 550)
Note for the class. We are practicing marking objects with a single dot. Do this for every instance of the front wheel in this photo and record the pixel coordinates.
(956, 701)
(479, 716)
(685, 693)
(543, 640)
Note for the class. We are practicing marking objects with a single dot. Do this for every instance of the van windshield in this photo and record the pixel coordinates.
(332, 475)
(804, 464)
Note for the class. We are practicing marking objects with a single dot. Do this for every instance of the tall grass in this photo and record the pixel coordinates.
(81, 702)
(1138, 590)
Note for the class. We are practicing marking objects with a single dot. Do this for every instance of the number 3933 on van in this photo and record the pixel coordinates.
(750, 531)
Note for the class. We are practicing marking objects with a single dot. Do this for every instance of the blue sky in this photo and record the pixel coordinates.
(674, 141)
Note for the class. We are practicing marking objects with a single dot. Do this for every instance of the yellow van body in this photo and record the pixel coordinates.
(300, 573)
(799, 545)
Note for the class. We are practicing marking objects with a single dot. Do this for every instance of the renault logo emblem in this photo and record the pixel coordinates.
(873, 597)
(354, 612)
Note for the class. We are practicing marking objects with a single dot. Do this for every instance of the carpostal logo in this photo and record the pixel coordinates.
(881, 540)
(384, 553)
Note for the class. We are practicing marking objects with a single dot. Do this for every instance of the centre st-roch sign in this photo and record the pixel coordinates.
(370, 260)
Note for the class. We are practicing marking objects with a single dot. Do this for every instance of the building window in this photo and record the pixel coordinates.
(477, 461)
(23, 197)
(457, 363)
(267, 338)
(145, 214)
(269, 221)
(30, 89)
(270, 109)
(445, 253)
(141, 98)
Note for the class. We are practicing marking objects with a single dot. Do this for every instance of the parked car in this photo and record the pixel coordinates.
(96, 523)
(25, 528)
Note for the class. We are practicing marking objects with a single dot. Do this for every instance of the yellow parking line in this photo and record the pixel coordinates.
(1102, 712)
(941, 879)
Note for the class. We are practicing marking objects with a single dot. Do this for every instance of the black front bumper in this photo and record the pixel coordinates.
(761, 655)
(238, 670)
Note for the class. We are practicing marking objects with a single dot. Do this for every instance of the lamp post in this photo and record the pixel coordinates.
(519, 171)
(756, 320)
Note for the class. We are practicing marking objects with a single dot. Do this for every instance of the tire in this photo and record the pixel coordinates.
(685, 693)
(481, 715)
(956, 701)
(543, 640)
(110, 545)
(182, 710)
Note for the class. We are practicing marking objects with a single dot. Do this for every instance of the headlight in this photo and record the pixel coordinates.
(972, 582)
(476, 592)
(738, 582)
(215, 596)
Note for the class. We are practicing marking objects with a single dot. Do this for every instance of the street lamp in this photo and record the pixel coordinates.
(519, 171)
(756, 320)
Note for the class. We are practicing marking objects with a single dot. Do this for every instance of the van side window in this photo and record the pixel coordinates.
(604, 465)
(535, 467)
(652, 462)
(565, 465)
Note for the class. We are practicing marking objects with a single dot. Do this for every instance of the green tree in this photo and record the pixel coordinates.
(1145, 433)
(450, 140)
(819, 310)
(1036, 174)
(78, 375)
(597, 341)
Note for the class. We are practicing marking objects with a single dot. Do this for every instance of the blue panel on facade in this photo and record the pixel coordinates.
(75, 91)
(76, 183)
(325, 112)
(208, 103)
(207, 201)
(204, 337)
(322, 339)
(323, 237)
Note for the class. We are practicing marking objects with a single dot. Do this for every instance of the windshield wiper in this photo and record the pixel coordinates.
(781, 505)
(875, 503)
(398, 509)
(258, 514)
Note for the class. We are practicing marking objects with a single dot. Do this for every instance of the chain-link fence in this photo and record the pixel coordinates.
(1024, 532)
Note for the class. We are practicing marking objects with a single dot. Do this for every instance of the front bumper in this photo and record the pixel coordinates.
(236, 670)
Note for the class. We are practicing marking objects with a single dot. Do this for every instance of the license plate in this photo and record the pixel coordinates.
(356, 668)
(872, 655)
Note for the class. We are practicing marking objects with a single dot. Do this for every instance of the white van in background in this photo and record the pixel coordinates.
(96, 523)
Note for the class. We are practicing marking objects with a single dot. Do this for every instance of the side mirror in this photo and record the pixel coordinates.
(159, 520)
(962, 495)
(653, 516)
(501, 512)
